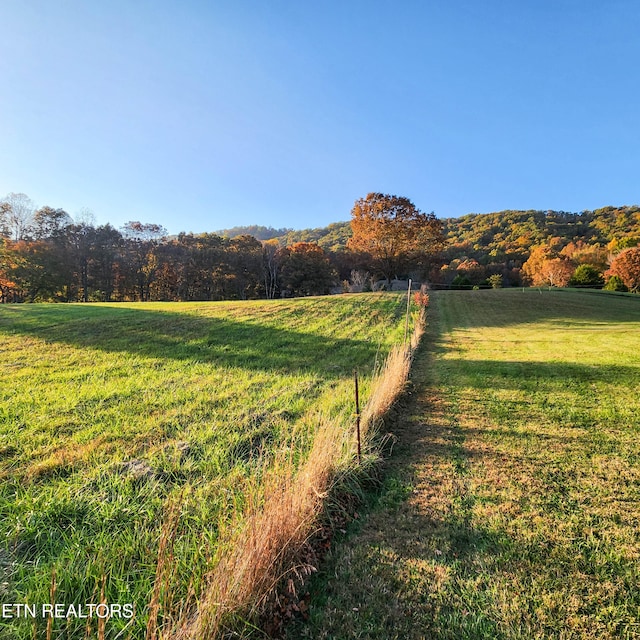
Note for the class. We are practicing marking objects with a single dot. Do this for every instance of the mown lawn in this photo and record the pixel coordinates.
(513, 506)
(106, 410)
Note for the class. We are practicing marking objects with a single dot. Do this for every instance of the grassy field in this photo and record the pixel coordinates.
(512, 509)
(107, 410)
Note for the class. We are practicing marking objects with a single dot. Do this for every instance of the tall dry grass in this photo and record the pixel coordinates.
(259, 548)
(262, 545)
(165, 566)
(392, 379)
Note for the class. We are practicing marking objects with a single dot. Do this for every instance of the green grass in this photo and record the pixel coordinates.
(520, 460)
(106, 410)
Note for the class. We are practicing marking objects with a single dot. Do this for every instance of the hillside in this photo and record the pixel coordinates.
(331, 238)
(503, 235)
(259, 232)
(496, 237)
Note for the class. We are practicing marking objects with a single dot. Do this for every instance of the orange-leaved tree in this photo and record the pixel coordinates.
(394, 232)
(545, 268)
(626, 265)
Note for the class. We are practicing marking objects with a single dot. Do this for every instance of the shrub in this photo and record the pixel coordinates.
(586, 275)
(421, 298)
(614, 283)
(461, 282)
(495, 281)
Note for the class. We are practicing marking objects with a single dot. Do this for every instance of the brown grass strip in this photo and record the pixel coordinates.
(164, 567)
(259, 548)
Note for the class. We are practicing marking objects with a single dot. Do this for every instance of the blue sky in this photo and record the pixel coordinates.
(206, 115)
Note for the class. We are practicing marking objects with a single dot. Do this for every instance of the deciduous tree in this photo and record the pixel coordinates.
(104, 254)
(243, 266)
(48, 223)
(545, 268)
(18, 213)
(626, 265)
(557, 272)
(394, 233)
(270, 267)
(38, 270)
(533, 268)
(5, 207)
(472, 270)
(495, 280)
(305, 270)
(9, 289)
(142, 239)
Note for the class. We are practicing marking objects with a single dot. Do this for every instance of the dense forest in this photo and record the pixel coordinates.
(509, 242)
(479, 246)
(45, 255)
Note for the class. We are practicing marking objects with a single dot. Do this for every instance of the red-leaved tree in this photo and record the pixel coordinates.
(626, 265)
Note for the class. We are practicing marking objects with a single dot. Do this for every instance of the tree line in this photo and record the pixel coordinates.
(46, 255)
(524, 248)
(50, 257)
(559, 248)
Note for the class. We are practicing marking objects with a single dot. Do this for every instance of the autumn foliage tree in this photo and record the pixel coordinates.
(546, 268)
(9, 290)
(243, 266)
(143, 263)
(395, 233)
(38, 270)
(626, 265)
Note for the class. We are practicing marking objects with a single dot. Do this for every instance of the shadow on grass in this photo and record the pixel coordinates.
(547, 471)
(424, 563)
(528, 375)
(568, 309)
(177, 336)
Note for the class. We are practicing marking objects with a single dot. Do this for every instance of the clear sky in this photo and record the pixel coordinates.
(206, 115)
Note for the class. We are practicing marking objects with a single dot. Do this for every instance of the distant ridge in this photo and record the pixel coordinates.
(332, 237)
(257, 231)
(492, 235)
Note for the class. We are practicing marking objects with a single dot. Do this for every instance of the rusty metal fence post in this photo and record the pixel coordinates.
(355, 377)
(406, 322)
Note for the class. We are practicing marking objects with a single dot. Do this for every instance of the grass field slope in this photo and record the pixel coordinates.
(108, 410)
(513, 507)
